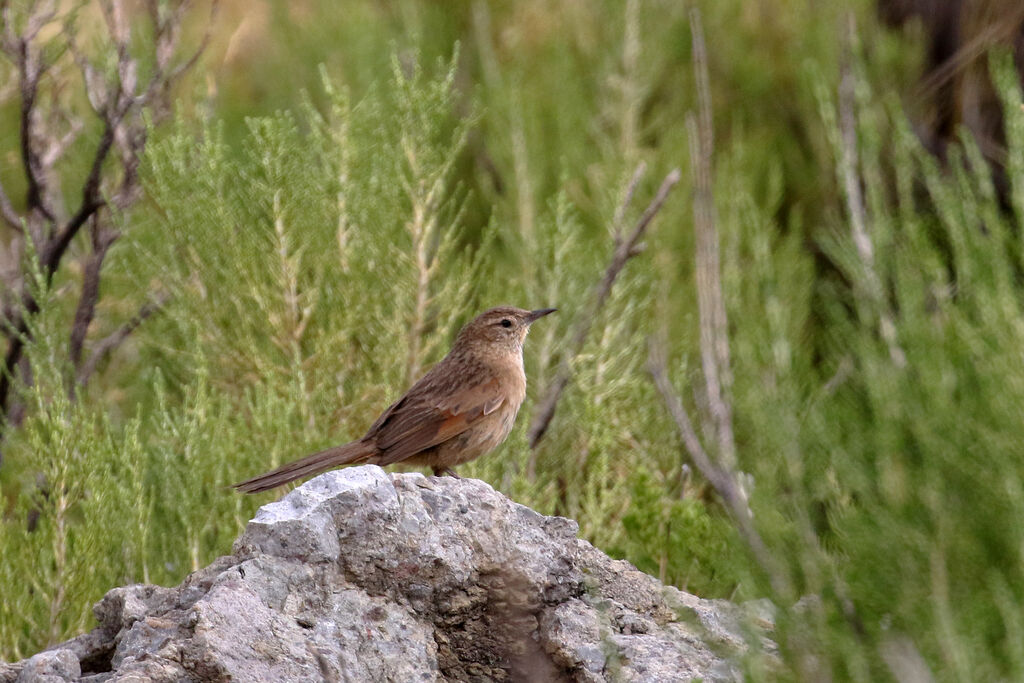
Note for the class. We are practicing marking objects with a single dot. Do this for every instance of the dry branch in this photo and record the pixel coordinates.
(721, 479)
(102, 239)
(627, 200)
(625, 249)
(106, 346)
(714, 339)
(47, 129)
(7, 212)
(714, 332)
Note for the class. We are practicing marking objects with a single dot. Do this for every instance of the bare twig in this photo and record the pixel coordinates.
(720, 478)
(7, 211)
(174, 74)
(18, 335)
(102, 239)
(848, 166)
(92, 201)
(47, 130)
(107, 345)
(714, 333)
(625, 249)
(51, 253)
(57, 147)
(714, 341)
(30, 64)
(627, 200)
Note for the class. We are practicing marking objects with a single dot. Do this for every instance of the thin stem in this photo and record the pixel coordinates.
(714, 325)
(625, 249)
(721, 479)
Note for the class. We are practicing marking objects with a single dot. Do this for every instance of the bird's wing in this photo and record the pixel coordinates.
(420, 420)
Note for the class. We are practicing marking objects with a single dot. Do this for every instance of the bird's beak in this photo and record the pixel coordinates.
(539, 313)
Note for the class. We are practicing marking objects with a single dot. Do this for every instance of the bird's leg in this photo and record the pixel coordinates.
(445, 472)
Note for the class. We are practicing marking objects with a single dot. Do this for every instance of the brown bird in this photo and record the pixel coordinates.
(462, 408)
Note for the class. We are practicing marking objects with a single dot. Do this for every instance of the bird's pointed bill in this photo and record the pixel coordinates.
(539, 313)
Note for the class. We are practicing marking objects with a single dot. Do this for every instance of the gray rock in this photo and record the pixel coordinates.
(364, 575)
(51, 666)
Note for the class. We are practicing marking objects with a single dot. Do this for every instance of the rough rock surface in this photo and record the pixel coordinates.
(363, 575)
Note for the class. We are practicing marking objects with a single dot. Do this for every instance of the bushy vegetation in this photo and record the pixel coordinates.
(322, 232)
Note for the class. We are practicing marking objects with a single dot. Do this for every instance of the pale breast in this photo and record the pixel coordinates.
(491, 430)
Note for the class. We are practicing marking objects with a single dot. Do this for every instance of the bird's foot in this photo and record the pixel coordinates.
(445, 472)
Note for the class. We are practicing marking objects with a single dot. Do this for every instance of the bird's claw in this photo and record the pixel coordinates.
(445, 472)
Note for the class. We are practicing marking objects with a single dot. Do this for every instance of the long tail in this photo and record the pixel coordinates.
(355, 451)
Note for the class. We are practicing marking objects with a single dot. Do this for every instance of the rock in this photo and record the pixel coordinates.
(364, 575)
(51, 666)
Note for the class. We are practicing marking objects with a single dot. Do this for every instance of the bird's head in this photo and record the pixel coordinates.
(501, 327)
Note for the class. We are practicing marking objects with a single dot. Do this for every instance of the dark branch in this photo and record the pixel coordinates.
(625, 249)
(107, 345)
(51, 254)
(102, 239)
(50, 257)
(31, 66)
(29, 73)
(92, 201)
(18, 335)
(46, 133)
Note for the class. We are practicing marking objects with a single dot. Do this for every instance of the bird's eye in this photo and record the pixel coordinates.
(506, 323)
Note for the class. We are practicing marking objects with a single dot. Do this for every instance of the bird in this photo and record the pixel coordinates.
(462, 408)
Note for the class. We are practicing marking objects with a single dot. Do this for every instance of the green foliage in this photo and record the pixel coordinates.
(916, 457)
(678, 540)
(58, 549)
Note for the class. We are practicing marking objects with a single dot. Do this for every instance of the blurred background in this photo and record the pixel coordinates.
(284, 232)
